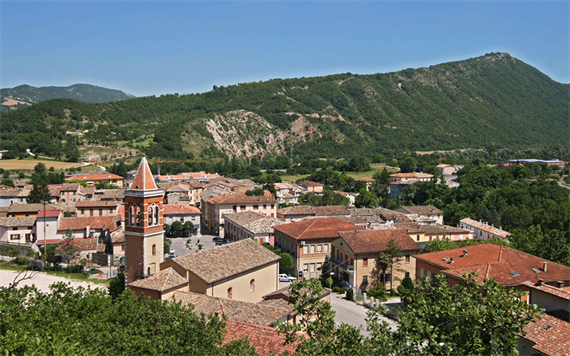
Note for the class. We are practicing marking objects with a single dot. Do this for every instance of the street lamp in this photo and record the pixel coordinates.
(330, 283)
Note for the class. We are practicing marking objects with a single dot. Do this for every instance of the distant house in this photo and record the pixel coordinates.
(9, 196)
(354, 256)
(18, 231)
(70, 193)
(425, 233)
(308, 211)
(309, 242)
(182, 213)
(312, 187)
(97, 208)
(18, 210)
(92, 179)
(249, 224)
(367, 181)
(214, 209)
(429, 211)
(482, 230)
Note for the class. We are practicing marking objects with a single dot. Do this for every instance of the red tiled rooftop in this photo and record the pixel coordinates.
(242, 198)
(266, 340)
(180, 209)
(80, 223)
(560, 293)
(89, 177)
(494, 261)
(315, 228)
(403, 175)
(48, 213)
(550, 335)
(366, 180)
(365, 241)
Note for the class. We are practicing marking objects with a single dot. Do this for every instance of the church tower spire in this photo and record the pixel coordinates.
(144, 232)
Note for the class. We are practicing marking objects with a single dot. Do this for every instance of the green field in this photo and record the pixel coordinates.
(355, 175)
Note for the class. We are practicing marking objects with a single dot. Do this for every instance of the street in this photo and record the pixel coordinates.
(179, 244)
(354, 314)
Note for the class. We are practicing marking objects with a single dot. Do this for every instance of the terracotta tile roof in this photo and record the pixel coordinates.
(112, 194)
(242, 198)
(227, 261)
(435, 229)
(29, 208)
(315, 228)
(560, 293)
(285, 293)
(80, 223)
(118, 236)
(403, 175)
(70, 187)
(254, 222)
(178, 188)
(262, 313)
(88, 244)
(96, 204)
(366, 180)
(266, 340)
(144, 179)
(422, 210)
(309, 183)
(12, 192)
(366, 241)
(161, 281)
(48, 213)
(180, 209)
(90, 177)
(485, 227)
(494, 261)
(550, 335)
(315, 210)
(24, 221)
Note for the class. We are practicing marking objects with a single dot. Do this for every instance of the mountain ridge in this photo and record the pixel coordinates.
(489, 101)
(25, 94)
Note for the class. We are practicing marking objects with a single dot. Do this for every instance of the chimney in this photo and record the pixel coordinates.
(464, 253)
(539, 283)
(544, 266)
(451, 261)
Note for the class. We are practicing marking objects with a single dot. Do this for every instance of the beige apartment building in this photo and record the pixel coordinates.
(309, 242)
(354, 256)
(214, 209)
(97, 208)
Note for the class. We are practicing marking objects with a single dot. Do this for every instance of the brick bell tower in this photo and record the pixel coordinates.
(144, 231)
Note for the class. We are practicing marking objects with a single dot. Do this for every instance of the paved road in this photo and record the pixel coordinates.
(351, 313)
(181, 249)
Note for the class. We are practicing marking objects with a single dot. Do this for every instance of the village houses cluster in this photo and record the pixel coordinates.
(239, 279)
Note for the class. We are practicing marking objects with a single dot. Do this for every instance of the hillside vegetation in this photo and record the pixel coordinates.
(486, 102)
(24, 95)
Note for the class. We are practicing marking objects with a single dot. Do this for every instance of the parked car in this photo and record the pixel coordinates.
(285, 278)
(172, 251)
(169, 257)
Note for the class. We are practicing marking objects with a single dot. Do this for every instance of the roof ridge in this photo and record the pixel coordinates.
(221, 305)
(308, 227)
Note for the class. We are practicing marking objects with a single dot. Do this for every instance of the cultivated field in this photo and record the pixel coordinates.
(22, 164)
(356, 175)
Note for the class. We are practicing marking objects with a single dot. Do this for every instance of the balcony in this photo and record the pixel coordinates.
(342, 265)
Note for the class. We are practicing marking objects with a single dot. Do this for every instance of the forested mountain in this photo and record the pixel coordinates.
(24, 95)
(485, 102)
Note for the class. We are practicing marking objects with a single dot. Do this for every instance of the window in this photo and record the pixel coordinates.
(319, 248)
(230, 292)
(365, 261)
(264, 206)
(14, 237)
(407, 258)
(305, 267)
(255, 207)
(242, 207)
(417, 237)
(154, 250)
(90, 212)
(312, 267)
(407, 275)
(252, 285)
(364, 279)
(148, 271)
(100, 212)
(421, 272)
(305, 249)
(326, 248)
(29, 237)
(134, 215)
(312, 249)
(272, 206)
(319, 266)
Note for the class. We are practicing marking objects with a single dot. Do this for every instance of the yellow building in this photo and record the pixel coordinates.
(354, 257)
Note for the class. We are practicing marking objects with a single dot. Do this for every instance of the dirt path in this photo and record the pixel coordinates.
(42, 281)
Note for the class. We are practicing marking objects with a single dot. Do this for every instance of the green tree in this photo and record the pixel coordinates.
(176, 226)
(286, 263)
(38, 194)
(40, 168)
(391, 256)
(366, 199)
(407, 164)
(117, 285)
(8, 182)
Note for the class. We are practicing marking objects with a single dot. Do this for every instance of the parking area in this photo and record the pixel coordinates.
(185, 245)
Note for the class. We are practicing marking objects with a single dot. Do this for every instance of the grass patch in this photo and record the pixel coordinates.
(22, 164)
(81, 277)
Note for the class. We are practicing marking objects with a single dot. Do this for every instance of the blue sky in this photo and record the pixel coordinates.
(153, 48)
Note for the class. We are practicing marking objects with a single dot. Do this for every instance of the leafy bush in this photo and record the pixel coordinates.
(73, 269)
(21, 260)
(379, 292)
(350, 294)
